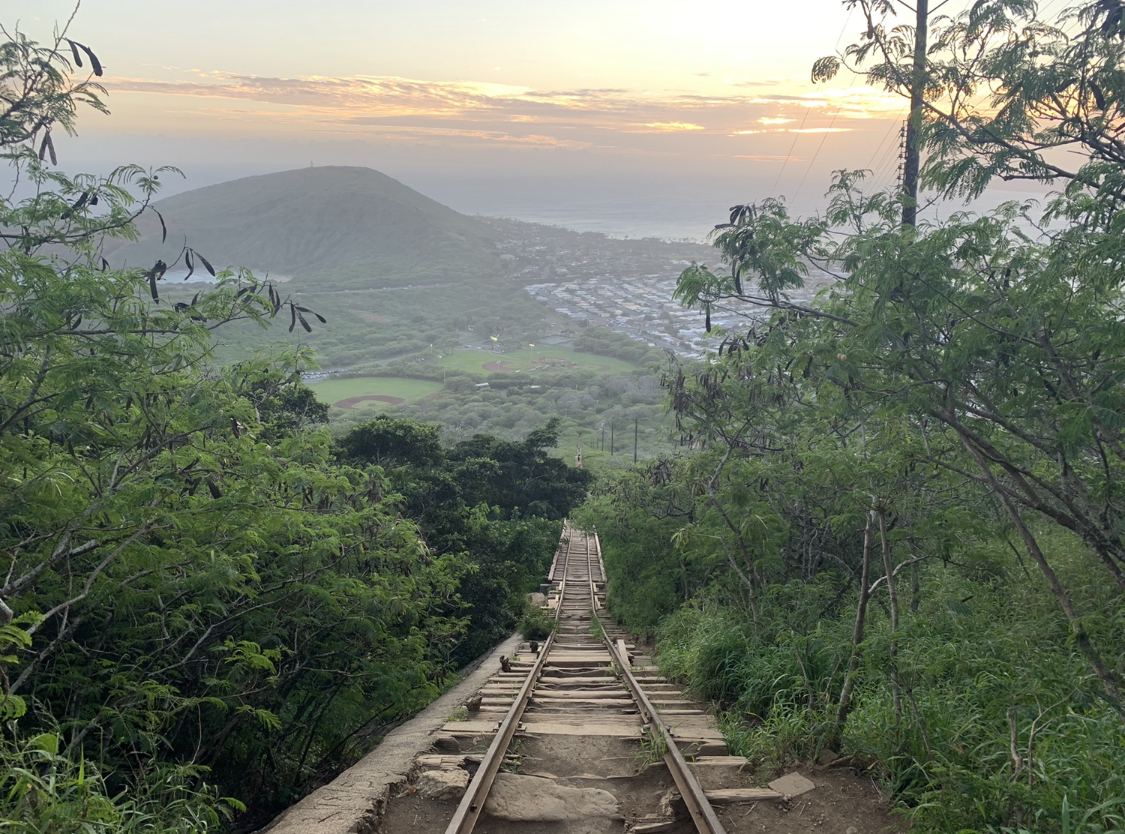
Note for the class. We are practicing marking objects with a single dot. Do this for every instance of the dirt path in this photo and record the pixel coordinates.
(382, 792)
(642, 791)
(842, 801)
(580, 761)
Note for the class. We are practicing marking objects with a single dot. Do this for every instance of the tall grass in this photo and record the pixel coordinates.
(43, 791)
(1001, 726)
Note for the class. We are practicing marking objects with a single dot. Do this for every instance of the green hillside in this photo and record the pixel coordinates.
(392, 270)
(338, 226)
(406, 285)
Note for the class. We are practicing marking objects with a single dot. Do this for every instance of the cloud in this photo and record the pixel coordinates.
(475, 113)
(672, 127)
(768, 157)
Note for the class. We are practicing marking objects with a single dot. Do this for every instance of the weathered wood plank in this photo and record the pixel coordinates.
(735, 795)
(619, 730)
(719, 761)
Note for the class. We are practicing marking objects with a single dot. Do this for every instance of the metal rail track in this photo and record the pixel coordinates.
(579, 575)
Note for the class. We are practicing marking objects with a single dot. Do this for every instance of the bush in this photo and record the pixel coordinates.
(535, 624)
(969, 675)
(43, 790)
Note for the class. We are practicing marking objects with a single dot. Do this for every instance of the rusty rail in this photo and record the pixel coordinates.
(704, 816)
(472, 803)
(706, 821)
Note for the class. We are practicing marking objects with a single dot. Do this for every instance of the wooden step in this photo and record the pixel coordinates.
(736, 795)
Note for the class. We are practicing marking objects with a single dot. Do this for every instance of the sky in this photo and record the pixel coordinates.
(645, 117)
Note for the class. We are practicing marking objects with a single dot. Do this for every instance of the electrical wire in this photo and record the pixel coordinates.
(797, 133)
(880, 170)
(883, 169)
(823, 137)
(882, 177)
(896, 127)
(796, 136)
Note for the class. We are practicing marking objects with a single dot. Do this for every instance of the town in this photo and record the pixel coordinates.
(624, 285)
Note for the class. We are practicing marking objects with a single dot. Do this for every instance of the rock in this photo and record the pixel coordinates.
(447, 744)
(520, 798)
(826, 757)
(852, 830)
(672, 804)
(443, 784)
(537, 599)
(792, 784)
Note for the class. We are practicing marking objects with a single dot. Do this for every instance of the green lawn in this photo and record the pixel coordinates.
(547, 360)
(334, 391)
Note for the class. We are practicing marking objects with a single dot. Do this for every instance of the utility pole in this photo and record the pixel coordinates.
(917, 87)
(901, 154)
(611, 439)
(634, 441)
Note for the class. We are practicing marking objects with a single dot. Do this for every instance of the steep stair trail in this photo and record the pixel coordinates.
(582, 735)
(577, 735)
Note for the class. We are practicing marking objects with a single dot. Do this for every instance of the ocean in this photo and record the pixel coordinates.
(679, 211)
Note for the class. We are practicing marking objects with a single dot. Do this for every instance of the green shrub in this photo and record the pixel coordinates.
(44, 791)
(535, 624)
(975, 663)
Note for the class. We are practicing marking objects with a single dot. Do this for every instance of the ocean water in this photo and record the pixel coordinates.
(671, 211)
(615, 217)
(617, 208)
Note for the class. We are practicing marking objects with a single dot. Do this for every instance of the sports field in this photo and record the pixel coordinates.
(536, 361)
(373, 391)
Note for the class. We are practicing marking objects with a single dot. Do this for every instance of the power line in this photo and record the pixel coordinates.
(883, 152)
(880, 172)
(892, 161)
(823, 137)
(890, 132)
(799, 130)
(881, 179)
(796, 136)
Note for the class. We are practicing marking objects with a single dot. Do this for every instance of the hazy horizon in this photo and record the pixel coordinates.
(493, 107)
(632, 119)
(619, 203)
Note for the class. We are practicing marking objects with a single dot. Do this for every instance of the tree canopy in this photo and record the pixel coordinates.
(206, 603)
(934, 442)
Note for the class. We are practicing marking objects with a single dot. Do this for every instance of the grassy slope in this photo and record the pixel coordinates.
(394, 273)
(368, 329)
(337, 226)
(391, 269)
(547, 360)
(331, 391)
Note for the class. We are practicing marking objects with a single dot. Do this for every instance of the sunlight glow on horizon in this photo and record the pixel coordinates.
(682, 90)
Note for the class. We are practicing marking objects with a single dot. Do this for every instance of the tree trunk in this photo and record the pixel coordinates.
(857, 639)
(912, 161)
(893, 594)
(1081, 638)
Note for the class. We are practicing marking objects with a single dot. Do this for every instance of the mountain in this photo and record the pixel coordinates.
(338, 226)
(395, 273)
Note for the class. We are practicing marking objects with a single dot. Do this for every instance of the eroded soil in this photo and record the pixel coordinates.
(842, 800)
